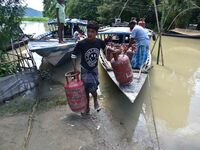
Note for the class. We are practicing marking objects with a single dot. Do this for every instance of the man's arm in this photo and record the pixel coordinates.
(76, 51)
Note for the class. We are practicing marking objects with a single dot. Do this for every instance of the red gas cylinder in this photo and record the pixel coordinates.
(129, 53)
(109, 55)
(122, 68)
(75, 92)
(142, 22)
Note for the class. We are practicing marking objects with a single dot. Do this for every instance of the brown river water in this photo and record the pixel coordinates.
(167, 112)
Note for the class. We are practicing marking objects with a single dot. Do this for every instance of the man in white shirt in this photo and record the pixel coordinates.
(140, 36)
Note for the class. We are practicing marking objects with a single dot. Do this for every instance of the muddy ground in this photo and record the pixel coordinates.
(55, 126)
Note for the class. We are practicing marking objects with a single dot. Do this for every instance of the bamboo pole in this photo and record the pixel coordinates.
(21, 55)
(154, 45)
(159, 48)
(31, 56)
(156, 12)
(28, 56)
(159, 34)
(14, 58)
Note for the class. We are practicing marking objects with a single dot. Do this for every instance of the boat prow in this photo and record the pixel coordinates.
(52, 51)
(47, 45)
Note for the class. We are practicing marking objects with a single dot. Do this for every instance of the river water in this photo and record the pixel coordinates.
(167, 112)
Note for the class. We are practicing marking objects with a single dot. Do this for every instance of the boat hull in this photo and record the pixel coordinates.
(18, 44)
(132, 90)
(53, 52)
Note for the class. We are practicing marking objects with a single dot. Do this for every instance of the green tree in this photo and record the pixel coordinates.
(11, 13)
(86, 9)
(176, 13)
(112, 8)
(105, 11)
(49, 8)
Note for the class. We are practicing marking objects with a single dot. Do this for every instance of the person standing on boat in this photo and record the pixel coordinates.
(140, 36)
(89, 49)
(60, 13)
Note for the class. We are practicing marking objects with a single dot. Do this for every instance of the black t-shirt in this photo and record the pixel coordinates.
(90, 51)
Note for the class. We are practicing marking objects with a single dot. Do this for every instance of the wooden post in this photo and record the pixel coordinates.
(159, 35)
(159, 46)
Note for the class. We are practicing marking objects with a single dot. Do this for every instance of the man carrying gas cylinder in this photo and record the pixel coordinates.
(89, 49)
(140, 36)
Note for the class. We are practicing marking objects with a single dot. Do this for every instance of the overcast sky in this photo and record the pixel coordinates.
(35, 4)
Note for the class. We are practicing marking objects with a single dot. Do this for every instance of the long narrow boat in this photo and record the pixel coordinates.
(19, 41)
(183, 33)
(132, 90)
(47, 46)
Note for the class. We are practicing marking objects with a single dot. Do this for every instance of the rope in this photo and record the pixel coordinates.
(153, 117)
(123, 8)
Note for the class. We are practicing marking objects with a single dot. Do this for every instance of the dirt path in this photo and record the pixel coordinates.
(12, 131)
(61, 129)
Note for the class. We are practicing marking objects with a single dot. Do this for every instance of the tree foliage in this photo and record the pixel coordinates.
(105, 11)
(11, 13)
(181, 10)
(86, 9)
(49, 8)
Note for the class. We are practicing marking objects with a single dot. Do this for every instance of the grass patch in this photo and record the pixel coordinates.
(16, 106)
(49, 103)
(38, 19)
(25, 106)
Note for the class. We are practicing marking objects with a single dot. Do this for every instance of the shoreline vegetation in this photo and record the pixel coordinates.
(39, 19)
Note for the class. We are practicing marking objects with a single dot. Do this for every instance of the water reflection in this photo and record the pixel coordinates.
(34, 27)
(129, 121)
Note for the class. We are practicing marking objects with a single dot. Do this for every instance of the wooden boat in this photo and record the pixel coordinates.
(47, 46)
(132, 90)
(183, 33)
(20, 41)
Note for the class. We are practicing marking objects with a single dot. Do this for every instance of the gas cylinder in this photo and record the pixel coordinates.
(75, 92)
(109, 56)
(129, 53)
(142, 22)
(122, 68)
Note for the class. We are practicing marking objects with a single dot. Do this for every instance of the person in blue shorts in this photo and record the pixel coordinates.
(89, 48)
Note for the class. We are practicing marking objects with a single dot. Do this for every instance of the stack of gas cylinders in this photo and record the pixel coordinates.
(120, 59)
